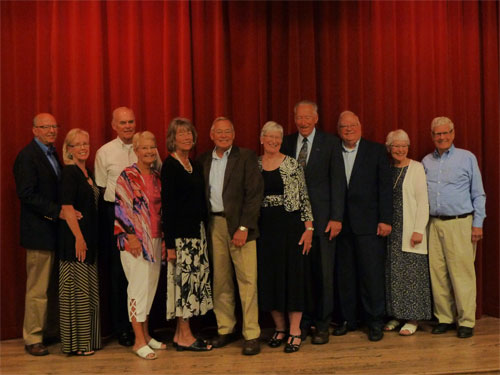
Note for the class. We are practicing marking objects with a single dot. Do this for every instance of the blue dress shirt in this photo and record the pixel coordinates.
(49, 152)
(349, 158)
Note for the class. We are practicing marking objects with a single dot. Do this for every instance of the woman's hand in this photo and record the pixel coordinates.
(80, 249)
(134, 245)
(306, 239)
(416, 238)
(171, 255)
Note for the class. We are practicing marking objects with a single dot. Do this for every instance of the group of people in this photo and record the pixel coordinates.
(316, 219)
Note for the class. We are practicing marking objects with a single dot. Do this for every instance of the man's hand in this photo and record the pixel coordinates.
(239, 238)
(383, 230)
(334, 227)
(416, 238)
(477, 234)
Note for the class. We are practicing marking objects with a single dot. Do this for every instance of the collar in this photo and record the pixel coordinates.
(46, 149)
(450, 151)
(226, 153)
(345, 149)
(123, 144)
(310, 137)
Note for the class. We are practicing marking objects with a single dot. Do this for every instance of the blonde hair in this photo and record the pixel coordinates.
(138, 137)
(70, 137)
(271, 126)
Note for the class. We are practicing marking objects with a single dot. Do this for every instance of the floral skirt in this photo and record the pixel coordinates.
(188, 280)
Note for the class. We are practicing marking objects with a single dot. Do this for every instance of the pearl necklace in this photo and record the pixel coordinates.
(189, 168)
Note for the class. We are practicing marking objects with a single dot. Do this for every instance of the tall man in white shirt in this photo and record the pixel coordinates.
(110, 161)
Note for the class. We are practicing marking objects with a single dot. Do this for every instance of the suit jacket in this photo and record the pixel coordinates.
(369, 194)
(324, 180)
(37, 189)
(242, 191)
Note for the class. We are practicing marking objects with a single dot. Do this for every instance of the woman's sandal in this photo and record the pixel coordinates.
(197, 346)
(145, 352)
(411, 328)
(391, 325)
(275, 342)
(290, 347)
(84, 354)
(154, 344)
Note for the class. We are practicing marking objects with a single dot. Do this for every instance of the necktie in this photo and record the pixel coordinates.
(302, 159)
(51, 153)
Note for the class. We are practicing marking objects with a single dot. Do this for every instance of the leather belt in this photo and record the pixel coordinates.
(441, 217)
(222, 214)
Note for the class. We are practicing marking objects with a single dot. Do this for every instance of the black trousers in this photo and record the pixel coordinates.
(321, 264)
(112, 271)
(360, 278)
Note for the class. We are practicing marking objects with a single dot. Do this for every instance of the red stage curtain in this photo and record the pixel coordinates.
(396, 64)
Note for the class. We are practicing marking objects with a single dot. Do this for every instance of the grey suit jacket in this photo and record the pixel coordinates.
(242, 191)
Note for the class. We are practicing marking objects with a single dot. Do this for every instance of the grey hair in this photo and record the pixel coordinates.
(138, 137)
(70, 137)
(344, 113)
(221, 118)
(438, 121)
(306, 102)
(271, 126)
(175, 124)
(396, 135)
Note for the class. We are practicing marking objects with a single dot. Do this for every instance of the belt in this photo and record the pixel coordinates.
(441, 217)
(222, 214)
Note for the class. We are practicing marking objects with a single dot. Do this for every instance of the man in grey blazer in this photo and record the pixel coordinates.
(234, 190)
(319, 154)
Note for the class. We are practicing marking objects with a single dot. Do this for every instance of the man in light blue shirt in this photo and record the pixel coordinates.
(457, 209)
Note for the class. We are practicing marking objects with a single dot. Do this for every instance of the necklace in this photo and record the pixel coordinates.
(397, 179)
(188, 168)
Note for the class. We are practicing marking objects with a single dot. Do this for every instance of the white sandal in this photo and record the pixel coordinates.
(154, 344)
(412, 328)
(144, 352)
(391, 325)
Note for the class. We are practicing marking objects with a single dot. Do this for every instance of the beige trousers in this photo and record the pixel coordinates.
(224, 256)
(38, 269)
(453, 277)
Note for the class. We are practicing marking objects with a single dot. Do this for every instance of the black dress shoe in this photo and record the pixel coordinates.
(342, 329)
(37, 349)
(223, 340)
(442, 328)
(251, 347)
(126, 339)
(465, 332)
(320, 337)
(375, 334)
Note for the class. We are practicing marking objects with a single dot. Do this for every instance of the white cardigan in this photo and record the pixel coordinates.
(415, 207)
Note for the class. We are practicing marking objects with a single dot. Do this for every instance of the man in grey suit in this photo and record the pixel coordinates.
(234, 189)
(319, 154)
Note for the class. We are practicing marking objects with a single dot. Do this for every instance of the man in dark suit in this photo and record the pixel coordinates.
(360, 265)
(319, 154)
(234, 189)
(36, 171)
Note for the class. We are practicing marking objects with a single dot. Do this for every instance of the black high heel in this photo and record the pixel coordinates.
(275, 342)
(290, 347)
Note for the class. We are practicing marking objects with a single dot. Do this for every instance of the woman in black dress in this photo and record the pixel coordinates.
(78, 242)
(285, 239)
(184, 214)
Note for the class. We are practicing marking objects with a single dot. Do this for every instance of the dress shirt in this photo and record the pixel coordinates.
(454, 184)
(49, 152)
(216, 180)
(110, 160)
(349, 158)
(310, 140)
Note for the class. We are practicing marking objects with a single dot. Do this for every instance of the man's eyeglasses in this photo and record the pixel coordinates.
(442, 134)
(46, 127)
(350, 126)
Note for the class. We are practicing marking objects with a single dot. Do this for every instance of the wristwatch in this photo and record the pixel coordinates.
(243, 229)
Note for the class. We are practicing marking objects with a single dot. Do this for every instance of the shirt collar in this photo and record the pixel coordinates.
(44, 147)
(344, 149)
(310, 137)
(226, 153)
(123, 144)
(447, 152)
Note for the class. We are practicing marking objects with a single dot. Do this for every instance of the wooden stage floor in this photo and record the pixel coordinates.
(422, 353)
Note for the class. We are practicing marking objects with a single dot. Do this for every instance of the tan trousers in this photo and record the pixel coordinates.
(453, 277)
(224, 256)
(38, 269)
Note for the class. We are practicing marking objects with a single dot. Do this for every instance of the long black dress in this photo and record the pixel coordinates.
(282, 279)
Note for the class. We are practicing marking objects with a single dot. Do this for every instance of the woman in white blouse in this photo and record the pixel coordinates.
(408, 293)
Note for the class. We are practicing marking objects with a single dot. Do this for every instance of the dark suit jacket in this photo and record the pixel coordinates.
(369, 195)
(37, 188)
(242, 191)
(325, 184)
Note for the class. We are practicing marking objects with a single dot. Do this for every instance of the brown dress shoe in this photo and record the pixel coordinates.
(251, 347)
(37, 349)
(223, 340)
(320, 337)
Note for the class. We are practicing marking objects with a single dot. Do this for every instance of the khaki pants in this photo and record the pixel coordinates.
(224, 256)
(453, 278)
(38, 269)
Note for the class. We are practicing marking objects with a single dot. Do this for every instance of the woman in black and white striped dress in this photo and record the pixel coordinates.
(78, 241)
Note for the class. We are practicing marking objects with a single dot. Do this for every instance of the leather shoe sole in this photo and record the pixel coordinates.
(36, 349)
(442, 328)
(320, 337)
(465, 332)
(251, 347)
(375, 334)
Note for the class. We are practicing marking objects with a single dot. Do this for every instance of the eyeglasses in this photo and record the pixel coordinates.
(399, 146)
(273, 137)
(350, 126)
(46, 127)
(226, 132)
(80, 145)
(442, 134)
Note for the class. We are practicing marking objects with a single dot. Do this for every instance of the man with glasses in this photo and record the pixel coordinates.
(37, 170)
(457, 210)
(111, 159)
(319, 154)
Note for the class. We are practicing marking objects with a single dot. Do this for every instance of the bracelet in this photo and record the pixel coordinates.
(310, 228)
